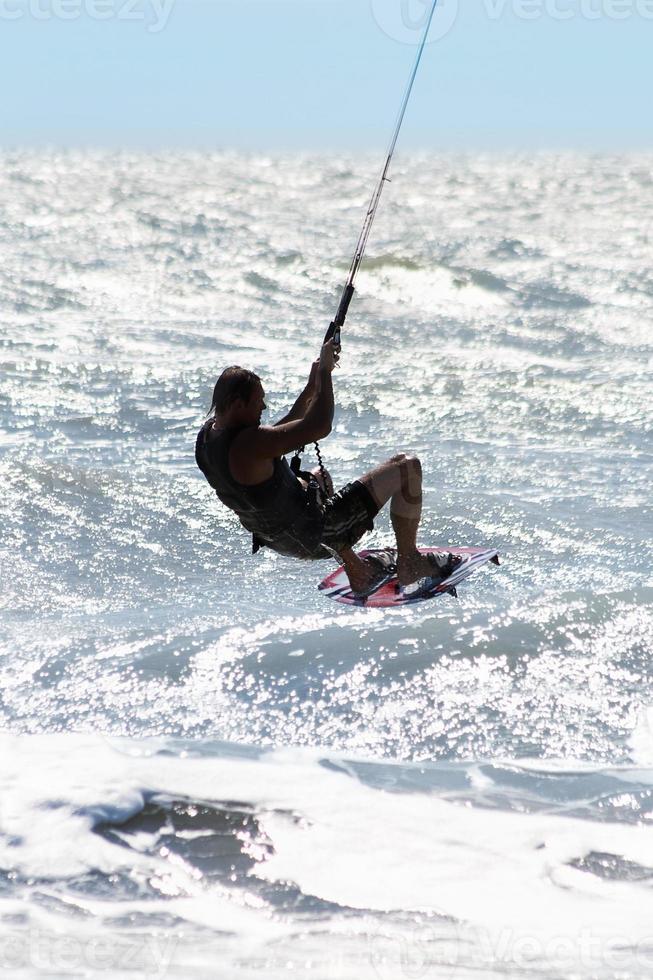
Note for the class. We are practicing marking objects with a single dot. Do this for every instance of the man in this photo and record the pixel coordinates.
(243, 461)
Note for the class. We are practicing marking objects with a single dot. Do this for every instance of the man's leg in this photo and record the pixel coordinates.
(399, 480)
(358, 571)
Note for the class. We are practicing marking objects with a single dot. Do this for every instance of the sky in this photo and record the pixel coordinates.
(276, 75)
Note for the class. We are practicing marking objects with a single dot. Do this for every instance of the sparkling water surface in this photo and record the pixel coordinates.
(207, 766)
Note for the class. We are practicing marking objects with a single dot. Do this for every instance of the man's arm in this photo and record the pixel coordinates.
(301, 406)
(269, 442)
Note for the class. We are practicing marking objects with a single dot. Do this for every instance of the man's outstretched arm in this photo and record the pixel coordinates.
(301, 406)
(270, 442)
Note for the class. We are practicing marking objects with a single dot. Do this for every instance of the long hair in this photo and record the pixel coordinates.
(234, 383)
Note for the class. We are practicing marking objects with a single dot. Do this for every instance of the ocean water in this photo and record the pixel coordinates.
(206, 768)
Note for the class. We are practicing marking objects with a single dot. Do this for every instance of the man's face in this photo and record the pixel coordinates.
(255, 407)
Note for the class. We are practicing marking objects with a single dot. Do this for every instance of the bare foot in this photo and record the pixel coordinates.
(362, 573)
(359, 582)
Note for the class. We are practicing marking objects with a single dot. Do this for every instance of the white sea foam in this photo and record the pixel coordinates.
(345, 833)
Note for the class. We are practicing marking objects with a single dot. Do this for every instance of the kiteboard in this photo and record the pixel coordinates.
(336, 586)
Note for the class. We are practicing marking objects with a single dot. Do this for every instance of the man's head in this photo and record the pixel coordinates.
(239, 394)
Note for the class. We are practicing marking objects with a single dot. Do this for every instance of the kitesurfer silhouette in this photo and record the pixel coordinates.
(298, 514)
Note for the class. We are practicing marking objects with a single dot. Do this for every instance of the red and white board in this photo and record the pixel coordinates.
(336, 585)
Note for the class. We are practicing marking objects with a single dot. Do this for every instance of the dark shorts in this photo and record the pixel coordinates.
(348, 514)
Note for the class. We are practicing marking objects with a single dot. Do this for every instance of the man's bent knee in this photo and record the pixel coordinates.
(404, 461)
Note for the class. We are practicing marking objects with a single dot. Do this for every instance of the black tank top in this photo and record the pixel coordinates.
(279, 512)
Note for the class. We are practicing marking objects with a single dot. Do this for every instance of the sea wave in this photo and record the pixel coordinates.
(180, 837)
